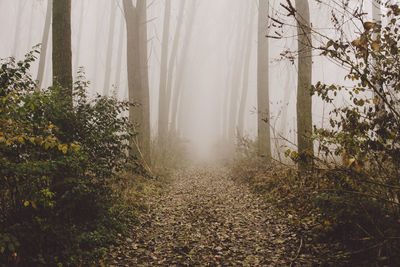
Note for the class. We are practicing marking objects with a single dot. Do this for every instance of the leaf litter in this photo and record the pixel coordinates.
(204, 218)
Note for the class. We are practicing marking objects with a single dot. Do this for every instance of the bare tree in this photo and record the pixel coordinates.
(263, 119)
(62, 53)
(246, 71)
(138, 113)
(141, 7)
(44, 45)
(182, 64)
(162, 101)
(304, 99)
(110, 42)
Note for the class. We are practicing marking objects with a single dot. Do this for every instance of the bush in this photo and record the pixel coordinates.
(59, 156)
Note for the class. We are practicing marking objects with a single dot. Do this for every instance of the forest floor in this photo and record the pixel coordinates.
(205, 219)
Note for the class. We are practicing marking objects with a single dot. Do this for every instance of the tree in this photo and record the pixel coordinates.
(62, 53)
(110, 41)
(263, 120)
(246, 72)
(138, 113)
(141, 7)
(162, 100)
(44, 45)
(180, 68)
(304, 98)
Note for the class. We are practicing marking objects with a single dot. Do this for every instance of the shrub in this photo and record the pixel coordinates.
(58, 162)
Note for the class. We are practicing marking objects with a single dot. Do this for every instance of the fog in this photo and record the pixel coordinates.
(216, 63)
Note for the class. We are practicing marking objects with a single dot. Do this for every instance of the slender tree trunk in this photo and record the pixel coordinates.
(181, 65)
(62, 53)
(119, 56)
(110, 41)
(79, 39)
(263, 118)
(141, 8)
(44, 45)
(163, 112)
(237, 68)
(304, 99)
(245, 73)
(173, 59)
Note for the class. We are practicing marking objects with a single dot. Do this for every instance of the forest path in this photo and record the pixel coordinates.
(205, 219)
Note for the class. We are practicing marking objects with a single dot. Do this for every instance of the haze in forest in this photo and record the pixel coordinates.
(214, 65)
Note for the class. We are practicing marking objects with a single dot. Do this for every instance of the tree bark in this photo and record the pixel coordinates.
(137, 113)
(304, 99)
(44, 45)
(263, 118)
(141, 7)
(62, 53)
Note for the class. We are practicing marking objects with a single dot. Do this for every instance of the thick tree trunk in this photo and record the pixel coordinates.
(137, 114)
(304, 99)
(110, 42)
(263, 118)
(163, 111)
(62, 53)
(44, 45)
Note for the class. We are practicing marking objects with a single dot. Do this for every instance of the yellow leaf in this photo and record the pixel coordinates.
(26, 203)
(33, 205)
(65, 149)
(375, 46)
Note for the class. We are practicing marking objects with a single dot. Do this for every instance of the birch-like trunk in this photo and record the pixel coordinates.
(44, 45)
(110, 42)
(263, 118)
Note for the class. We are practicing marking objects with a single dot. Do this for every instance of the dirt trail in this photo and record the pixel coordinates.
(205, 219)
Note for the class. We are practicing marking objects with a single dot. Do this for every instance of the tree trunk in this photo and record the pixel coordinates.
(136, 113)
(181, 65)
(110, 41)
(79, 40)
(237, 68)
(263, 118)
(141, 8)
(245, 73)
(304, 99)
(44, 45)
(173, 58)
(62, 53)
(119, 56)
(163, 112)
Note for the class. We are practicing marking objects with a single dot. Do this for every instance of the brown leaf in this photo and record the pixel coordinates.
(369, 25)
